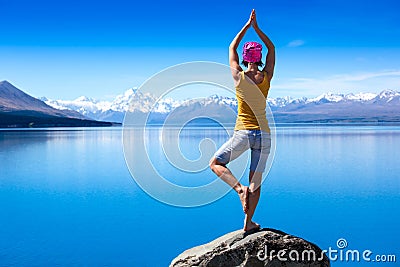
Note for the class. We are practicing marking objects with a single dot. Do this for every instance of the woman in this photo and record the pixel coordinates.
(251, 129)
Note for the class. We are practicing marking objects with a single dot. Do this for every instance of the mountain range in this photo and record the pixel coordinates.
(18, 109)
(328, 107)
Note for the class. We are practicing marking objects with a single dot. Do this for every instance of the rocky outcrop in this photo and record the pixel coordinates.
(267, 247)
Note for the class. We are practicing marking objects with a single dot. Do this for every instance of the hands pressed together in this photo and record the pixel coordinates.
(252, 20)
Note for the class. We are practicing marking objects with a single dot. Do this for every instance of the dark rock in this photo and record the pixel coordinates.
(240, 249)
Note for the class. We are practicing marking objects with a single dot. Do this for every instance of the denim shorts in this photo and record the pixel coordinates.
(258, 141)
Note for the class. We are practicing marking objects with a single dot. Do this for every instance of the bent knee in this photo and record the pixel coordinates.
(214, 163)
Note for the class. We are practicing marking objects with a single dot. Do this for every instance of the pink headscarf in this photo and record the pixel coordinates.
(252, 52)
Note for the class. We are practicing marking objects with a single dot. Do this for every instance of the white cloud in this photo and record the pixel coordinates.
(296, 43)
(340, 83)
(366, 76)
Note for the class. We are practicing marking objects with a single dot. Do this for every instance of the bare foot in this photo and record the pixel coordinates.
(244, 197)
(251, 226)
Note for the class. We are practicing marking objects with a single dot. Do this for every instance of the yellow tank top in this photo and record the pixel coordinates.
(251, 104)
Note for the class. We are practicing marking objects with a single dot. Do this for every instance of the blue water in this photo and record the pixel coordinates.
(68, 199)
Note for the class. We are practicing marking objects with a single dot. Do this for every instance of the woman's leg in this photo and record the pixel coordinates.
(226, 175)
(254, 196)
(228, 152)
(260, 150)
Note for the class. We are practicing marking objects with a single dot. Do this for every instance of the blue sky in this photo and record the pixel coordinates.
(65, 49)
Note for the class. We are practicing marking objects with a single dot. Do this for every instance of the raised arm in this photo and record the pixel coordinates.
(270, 59)
(233, 55)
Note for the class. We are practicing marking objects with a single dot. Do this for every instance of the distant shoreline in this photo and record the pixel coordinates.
(229, 126)
(15, 120)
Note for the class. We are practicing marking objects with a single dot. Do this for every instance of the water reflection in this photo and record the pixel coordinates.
(183, 179)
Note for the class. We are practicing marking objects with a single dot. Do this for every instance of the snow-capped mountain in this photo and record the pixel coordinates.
(360, 97)
(328, 106)
(107, 110)
(20, 110)
(388, 96)
(134, 101)
(13, 99)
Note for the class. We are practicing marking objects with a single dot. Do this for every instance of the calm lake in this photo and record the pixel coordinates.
(67, 197)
